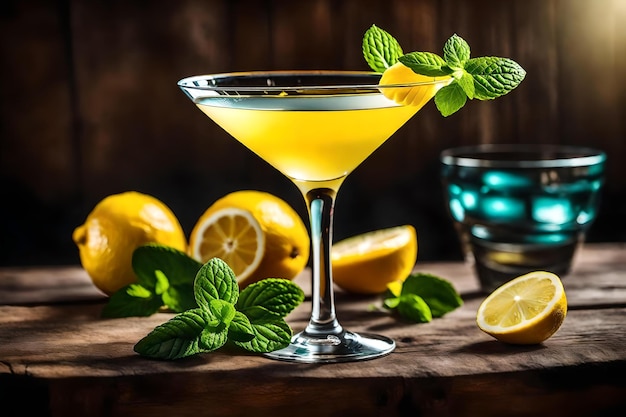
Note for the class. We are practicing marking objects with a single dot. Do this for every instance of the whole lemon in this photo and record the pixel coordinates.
(115, 228)
(256, 233)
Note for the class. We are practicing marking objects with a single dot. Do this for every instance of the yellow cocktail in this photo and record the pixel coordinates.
(305, 140)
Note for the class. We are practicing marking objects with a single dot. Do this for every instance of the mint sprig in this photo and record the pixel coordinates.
(165, 277)
(380, 49)
(422, 298)
(252, 320)
(483, 78)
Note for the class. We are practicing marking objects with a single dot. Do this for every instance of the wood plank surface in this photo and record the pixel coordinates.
(59, 358)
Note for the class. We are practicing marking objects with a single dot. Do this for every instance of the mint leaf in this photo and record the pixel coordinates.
(132, 301)
(215, 280)
(179, 298)
(450, 99)
(177, 338)
(161, 282)
(390, 302)
(277, 295)
(270, 330)
(422, 298)
(426, 63)
(213, 339)
(493, 76)
(240, 329)
(414, 308)
(465, 80)
(137, 291)
(220, 313)
(167, 272)
(380, 49)
(482, 78)
(438, 293)
(175, 265)
(456, 52)
(258, 327)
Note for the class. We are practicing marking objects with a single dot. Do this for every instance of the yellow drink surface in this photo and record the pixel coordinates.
(310, 138)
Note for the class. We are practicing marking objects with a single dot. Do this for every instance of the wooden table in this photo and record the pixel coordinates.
(59, 358)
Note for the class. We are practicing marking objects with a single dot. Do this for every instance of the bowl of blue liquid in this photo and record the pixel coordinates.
(521, 208)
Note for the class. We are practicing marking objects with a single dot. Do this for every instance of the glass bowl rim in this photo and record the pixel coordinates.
(188, 82)
(562, 156)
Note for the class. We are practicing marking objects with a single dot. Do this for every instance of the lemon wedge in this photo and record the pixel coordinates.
(366, 263)
(526, 310)
(256, 233)
(416, 96)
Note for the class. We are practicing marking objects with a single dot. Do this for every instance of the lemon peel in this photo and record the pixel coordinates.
(425, 88)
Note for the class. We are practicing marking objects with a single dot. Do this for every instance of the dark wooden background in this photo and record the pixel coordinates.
(89, 105)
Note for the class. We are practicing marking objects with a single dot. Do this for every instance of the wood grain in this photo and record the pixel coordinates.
(59, 358)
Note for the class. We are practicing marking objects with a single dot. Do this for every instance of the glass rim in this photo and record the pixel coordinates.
(201, 82)
(545, 156)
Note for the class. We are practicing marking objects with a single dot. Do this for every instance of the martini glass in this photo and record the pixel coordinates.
(315, 127)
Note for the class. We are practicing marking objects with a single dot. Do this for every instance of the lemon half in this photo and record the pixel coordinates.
(366, 263)
(526, 310)
(256, 233)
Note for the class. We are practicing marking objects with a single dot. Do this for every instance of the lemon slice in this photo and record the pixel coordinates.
(257, 234)
(526, 310)
(234, 236)
(415, 96)
(366, 263)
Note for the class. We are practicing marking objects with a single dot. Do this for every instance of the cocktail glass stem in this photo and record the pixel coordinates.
(323, 319)
(324, 339)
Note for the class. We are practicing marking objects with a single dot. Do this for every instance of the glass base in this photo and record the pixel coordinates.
(343, 347)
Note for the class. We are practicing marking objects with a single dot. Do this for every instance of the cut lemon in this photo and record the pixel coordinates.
(526, 310)
(234, 236)
(366, 263)
(415, 96)
(257, 234)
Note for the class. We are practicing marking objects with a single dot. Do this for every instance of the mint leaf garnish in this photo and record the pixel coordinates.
(161, 284)
(450, 99)
(215, 280)
(279, 296)
(414, 308)
(240, 329)
(438, 293)
(456, 52)
(175, 265)
(220, 314)
(132, 300)
(253, 321)
(426, 63)
(271, 332)
(493, 76)
(483, 78)
(423, 297)
(380, 49)
(165, 277)
(177, 338)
